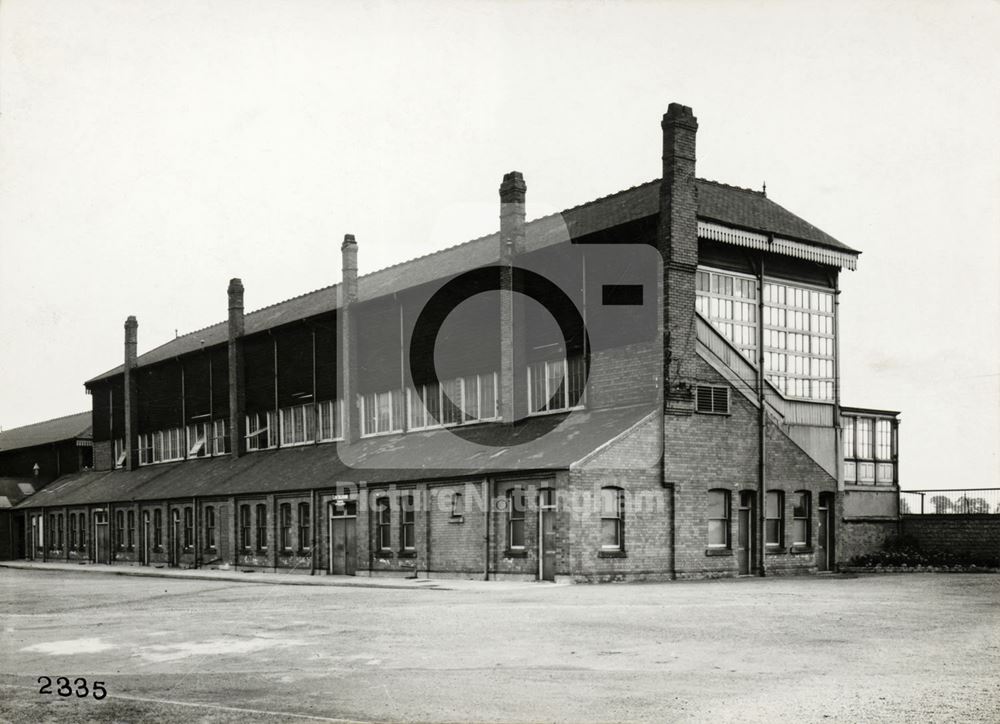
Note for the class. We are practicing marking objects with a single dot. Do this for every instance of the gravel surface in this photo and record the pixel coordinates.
(920, 647)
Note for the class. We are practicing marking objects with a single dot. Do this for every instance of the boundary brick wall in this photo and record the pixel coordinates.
(973, 535)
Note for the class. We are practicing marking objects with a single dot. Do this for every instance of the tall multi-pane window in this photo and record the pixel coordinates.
(774, 518)
(331, 420)
(82, 528)
(407, 523)
(188, 527)
(883, 440)
(59, 532)
(729, 302)
(848, 437)
(556, 384)
(515, 518)
(72, 531)
(382, 412)
(802, 518)
(285, 526)
(718, 519)
(297, 424)
(209, 526)
(161, 446)
(130, 540)
(798, 328)
(119, 452)
(262, 430)
(383, 523)
(305, 542)
(864, 438)
(245, 527)
(261, 519)
(612, 516)
(452, 402)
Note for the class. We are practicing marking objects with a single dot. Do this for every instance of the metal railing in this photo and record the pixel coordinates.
(969, 501)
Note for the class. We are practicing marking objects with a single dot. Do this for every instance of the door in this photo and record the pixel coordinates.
(547, 537)
(102, 537)
(825, 552)
(175, 539)
(343, 546)
(146, 538)
(744, 533)
(18, 537)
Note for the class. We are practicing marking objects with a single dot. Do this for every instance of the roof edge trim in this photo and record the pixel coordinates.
(776, 244)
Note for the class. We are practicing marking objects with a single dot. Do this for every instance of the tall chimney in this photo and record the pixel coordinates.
(237, 393)
(512, 193)
(347, 362)
(131, 396)
(678, 243)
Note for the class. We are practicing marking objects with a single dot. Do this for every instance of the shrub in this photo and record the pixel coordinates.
(905, 552)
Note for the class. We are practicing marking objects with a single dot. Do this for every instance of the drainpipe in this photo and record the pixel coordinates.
(761, 419)
(312, 532)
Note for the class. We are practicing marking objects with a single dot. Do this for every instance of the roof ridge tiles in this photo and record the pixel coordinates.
(731, 186)
(45, 422)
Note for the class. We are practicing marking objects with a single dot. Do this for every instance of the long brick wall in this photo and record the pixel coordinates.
(976, 536)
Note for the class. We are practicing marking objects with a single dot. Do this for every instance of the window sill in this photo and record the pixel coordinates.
(801, 549)
(612, 554)
(384, 554)
(718, 551)
(516, 553)
(457, 519)
(716, 414)
(407, 554)
(559, 411)
(775, 550)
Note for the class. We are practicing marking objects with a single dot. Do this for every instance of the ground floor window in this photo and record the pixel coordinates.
(285, 526)
(515, 518)
(718, 519)
(305, 543)
(383, 529)
(210, 527)
(120, 528)
(801, 518)
(158, 528)
(774, 519)
(612, 510)
(261, 527)
(245, 527)
(131, 530)
(188, 527)
(407, 523)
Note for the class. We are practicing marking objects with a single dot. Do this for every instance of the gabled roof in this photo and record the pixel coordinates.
(70, 427)
(730, 205)
(378, 460)
(14, 490)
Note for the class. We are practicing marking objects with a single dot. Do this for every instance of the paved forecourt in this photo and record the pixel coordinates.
(891, 648)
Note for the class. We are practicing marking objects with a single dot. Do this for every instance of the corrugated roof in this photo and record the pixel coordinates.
(739, 207)
(68, 427)
(379, 460)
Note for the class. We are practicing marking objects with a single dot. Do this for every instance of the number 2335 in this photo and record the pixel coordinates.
(79, 687)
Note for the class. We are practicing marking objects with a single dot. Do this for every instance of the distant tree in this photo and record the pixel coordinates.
(941, 503)
(966, 504)
(904, 505)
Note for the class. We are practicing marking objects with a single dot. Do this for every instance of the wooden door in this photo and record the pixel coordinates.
(547, 534)
(102, 538)
(175, 539)
(825, 552)
(343, 542)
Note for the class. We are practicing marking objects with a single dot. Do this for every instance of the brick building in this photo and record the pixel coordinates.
(641, 387)
(31, 457)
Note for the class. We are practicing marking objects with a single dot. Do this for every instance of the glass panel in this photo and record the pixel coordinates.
(772, 536)
(717, 533)
(609, 533)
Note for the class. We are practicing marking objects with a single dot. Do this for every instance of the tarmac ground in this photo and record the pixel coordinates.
(918, 647)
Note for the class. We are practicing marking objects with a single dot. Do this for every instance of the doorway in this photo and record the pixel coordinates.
(547, 534)
(102, 537)
(825, 548)
(745, 533)
(343, 543)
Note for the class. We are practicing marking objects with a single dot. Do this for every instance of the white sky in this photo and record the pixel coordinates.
(152, 150)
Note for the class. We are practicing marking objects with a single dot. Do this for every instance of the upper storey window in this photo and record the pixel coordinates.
(453, 402)
(798, 328)
(555, 385)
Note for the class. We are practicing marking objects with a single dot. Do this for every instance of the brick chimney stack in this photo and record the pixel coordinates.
(347, 362)
(512, 193)
(678, 243)
(237, 393)
(131, 394)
